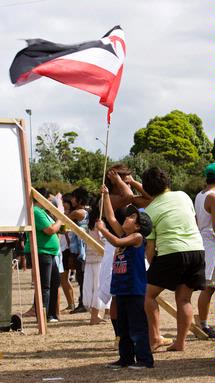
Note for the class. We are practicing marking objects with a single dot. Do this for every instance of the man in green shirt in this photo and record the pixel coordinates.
(48, 247)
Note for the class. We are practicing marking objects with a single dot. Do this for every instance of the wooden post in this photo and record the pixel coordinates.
(32, 233)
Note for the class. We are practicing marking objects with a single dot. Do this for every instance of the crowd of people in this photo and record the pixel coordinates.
(153, 238)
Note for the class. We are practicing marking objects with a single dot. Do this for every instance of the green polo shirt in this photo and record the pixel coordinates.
(46, 244)
(174, 224)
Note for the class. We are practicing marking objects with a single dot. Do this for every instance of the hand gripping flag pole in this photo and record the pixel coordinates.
(104, 170)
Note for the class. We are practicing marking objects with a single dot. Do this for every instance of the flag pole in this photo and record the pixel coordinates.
(105, 167)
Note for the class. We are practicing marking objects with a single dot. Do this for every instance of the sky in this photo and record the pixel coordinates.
(169, 65)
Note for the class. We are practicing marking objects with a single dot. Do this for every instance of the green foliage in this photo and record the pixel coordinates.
(179, 137)
(55, 186)
(60, 161)
(86, 165)
(176, 142)
(46, 170)
(142, 161)
(90, 185)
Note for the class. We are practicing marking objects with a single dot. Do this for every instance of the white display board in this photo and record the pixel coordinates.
(13, 209)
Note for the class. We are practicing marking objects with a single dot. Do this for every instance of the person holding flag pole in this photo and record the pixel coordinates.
(93, 66)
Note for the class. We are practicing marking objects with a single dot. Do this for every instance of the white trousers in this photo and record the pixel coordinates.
(91, 286)
(106, 273)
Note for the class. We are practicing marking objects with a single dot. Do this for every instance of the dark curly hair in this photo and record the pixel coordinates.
(94, 213)
(121, 169)
(66, 198)
(45, 192)
(155, 181)
(81, 195)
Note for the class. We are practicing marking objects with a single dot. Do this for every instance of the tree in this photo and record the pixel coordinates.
(189, 179)
(54, 153)
(87, 165)
(58, 160)
(179, 137)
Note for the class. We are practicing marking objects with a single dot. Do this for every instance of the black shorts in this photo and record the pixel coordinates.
(67, 260)
(171, 270)
(70, 261)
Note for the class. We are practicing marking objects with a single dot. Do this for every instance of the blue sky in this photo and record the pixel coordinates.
(169, 65)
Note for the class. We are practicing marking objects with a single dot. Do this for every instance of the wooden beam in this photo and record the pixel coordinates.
(9, 121)
(68, 222)
(172, 311)
(14, 229)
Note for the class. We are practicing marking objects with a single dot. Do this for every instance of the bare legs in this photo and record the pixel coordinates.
(184, 316)
(153, 315)
(204, 303)
(67, 287)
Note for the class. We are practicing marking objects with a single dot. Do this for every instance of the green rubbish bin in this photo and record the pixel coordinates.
(7, 245)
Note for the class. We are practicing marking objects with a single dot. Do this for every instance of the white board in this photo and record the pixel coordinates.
(13, 210)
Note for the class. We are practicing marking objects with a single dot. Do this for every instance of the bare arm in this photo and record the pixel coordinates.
(109, 213)
(77, 215)
(210, 208)
(125, 193)
(150, 250)
(140, 201)
(53, 229)
(134, 239)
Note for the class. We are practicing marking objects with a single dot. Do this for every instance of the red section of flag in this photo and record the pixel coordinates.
(81, 75)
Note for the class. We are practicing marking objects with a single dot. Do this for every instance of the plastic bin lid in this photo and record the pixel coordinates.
(7, 239)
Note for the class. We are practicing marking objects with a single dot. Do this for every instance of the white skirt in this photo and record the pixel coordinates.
(91, 286)
(106, 273)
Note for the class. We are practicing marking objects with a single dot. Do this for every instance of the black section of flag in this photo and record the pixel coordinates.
(40, 51)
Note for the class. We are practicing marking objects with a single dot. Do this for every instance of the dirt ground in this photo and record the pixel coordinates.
(74, 351)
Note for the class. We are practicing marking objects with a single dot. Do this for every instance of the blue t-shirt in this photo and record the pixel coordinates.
(77, 245)
(129, 271)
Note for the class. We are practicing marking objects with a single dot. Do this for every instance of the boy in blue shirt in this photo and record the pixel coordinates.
(129, 284)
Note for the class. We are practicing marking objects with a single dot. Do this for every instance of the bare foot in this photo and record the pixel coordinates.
(29, 313)
(175, 347)
(97, 320)
(161, 343)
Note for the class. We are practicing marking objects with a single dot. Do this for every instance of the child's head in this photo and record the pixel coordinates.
(66, 199)
(45, 192)
(79, 197)
(137, 221)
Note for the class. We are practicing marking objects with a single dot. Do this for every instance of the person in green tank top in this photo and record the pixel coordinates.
(175, 253)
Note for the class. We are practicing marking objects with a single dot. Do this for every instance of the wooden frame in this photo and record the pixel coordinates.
(30, 215)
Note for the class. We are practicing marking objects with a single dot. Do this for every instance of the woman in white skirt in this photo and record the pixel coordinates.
(93, 261)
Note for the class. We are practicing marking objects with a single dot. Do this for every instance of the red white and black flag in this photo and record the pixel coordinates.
(93, 66)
